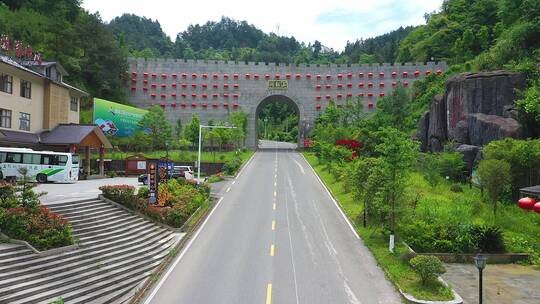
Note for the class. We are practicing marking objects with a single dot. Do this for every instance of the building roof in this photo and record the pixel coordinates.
(19, 137)
(7, 60)
(67, 134)
(46, 64)
(533, 190)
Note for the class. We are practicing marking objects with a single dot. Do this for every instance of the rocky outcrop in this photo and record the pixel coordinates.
(476, 109)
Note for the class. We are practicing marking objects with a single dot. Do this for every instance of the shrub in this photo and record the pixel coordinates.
(111, 174)
(427, 267)
(489, 239)
(143, 192)
(451, 164)
(7, 196)
(40, 227)
(122, 194)
(456, 188)
(232, 165)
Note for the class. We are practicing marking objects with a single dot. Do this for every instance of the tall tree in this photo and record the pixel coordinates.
(192, 130)
(398, 154)
(159, 128)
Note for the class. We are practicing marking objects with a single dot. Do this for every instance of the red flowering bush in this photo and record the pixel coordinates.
(122, 194)
(38, 226)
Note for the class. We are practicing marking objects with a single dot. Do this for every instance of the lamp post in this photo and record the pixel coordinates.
(480, 261)
(200, 146)
(265, 123)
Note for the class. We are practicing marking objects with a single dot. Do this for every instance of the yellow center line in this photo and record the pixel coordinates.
(272, 249)
(269, 294)
(273, 225)
(275, 193)
(274, 206)
(275, 176)
(275, 184)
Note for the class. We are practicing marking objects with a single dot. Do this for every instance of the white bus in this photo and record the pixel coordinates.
(43, 166)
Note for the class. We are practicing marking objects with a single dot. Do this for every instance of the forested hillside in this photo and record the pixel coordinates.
(81, 42)
(142, 37)
(479, 35)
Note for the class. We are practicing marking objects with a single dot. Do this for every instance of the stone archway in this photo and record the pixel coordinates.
(278, 98)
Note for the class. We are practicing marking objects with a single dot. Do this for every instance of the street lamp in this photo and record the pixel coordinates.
(480, 261)
(200, 145)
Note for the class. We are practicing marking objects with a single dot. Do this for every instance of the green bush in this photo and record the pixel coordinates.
(427, 267)
(456, 188)
(232, 165)
(143, 192)
(451, 165)
(489, 239)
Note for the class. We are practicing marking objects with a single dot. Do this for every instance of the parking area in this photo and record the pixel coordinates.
(80, 190)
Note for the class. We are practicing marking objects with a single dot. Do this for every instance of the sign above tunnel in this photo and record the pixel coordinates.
(278, 84)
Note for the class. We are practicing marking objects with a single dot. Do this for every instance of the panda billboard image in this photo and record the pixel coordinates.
(116, 119)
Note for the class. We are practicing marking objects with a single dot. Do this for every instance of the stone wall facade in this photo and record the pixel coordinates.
(214, 89)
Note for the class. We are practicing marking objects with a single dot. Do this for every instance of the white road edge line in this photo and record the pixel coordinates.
(228, 189)
(171, 268)
(332, 198)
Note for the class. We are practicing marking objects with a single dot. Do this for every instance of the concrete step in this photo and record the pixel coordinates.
(107, 226)
(70, 204)
(28, 282)
(8, 247)
(92, 213)
(69, 208)
(21, 292)
(84, 222)
(122, 236)
(15, 253)
(133, 227)
(74, 269)
(55, 264)
(110, 294)
(83, 210)
(110, 227)
(71, 291)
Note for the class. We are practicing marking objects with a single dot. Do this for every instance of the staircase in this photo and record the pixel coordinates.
(117, 252)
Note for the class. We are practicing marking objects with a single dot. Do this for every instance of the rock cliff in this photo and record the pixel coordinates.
(475, 109)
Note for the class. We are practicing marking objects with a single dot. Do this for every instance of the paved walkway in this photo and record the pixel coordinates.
(514, 284)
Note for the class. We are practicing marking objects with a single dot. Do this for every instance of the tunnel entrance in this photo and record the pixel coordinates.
(277, 120)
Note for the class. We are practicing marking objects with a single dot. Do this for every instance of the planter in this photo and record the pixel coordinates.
(38, 252)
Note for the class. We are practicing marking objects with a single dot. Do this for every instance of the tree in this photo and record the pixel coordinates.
(427, 267)
(159, 128)
(192, 130)
(178, 128)
(495, 178)
(398, 154)
(239, 120)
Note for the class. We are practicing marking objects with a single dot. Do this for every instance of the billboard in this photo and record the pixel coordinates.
(116, 119)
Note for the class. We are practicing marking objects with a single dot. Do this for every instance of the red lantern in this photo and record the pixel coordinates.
(235, 76)
(236, 85)
(205, 76)
(527, 203)
(339, 95)
(134, 88)
(225, 95)
(536, 207)
(215, 95)
(328, 76)
(318, 97)
(349, 85)
(361, 75)
(226, 85)
(288, 76)
(256, 76)
(370, 105)
(318, 87)
(164, 76)
(173, 85)
(340, 76)
(247, 76)
(193, 85)
(381, 74)
(277, 76)
(318, 107)
(184, 75)
(328, 86)
(340, 85)
(184, 85)
(308, 76)
(205, 85)
(370, 74)
(318, 76)
(298, 76)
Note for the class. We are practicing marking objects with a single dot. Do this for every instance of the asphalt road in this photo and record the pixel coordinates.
(276, 236)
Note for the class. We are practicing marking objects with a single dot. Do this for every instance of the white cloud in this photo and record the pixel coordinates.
(331, 22)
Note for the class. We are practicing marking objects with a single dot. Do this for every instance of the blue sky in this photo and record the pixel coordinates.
(332, 22)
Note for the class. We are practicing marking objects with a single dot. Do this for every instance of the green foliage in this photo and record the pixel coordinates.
(143, 192)
(495, 178)
(456, 188)
(427, 267)
(488, 238)
(523, 156)
(160, 129)
(232, 166)
(191, 131)
(450, 165)
(393, 109)
(143, 37)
